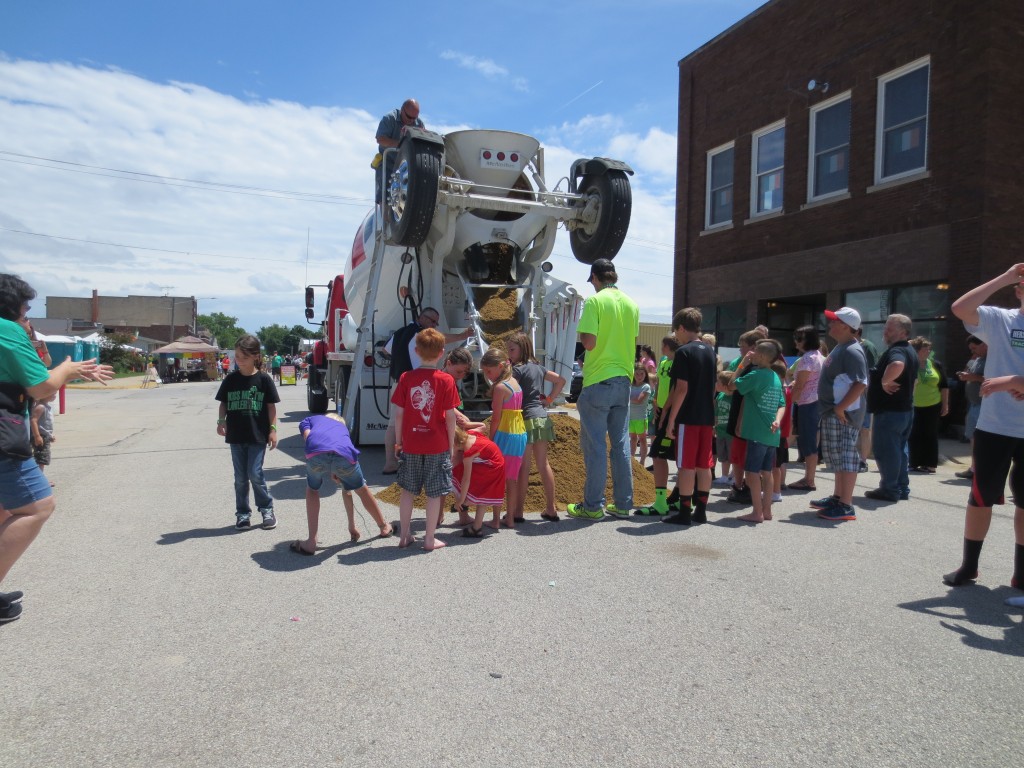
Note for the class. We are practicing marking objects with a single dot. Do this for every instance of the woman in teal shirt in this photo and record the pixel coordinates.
(26, 500)
(931, 402)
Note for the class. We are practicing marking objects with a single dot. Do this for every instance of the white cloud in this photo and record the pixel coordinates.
(486, 67)
(247, 248)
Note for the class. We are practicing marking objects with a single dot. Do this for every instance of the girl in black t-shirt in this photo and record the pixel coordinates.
(248, 423)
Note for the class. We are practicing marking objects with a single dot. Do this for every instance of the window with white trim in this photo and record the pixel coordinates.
(768, 147)
(901, 139)
(829, 163)
(719, 193)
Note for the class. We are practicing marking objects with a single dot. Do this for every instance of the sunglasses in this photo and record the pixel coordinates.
(407, 116)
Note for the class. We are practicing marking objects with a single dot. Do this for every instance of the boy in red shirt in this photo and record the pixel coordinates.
(425, 401)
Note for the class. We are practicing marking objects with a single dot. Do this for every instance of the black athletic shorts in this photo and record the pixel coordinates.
(993, 456)
(662, 447)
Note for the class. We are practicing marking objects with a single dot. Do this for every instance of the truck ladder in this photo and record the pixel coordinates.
(364, 332)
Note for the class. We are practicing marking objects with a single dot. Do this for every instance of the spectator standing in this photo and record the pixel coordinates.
(999, 436)
(608, 329)
(663, 444)
(871, 353)
(972, 376)
(931, 402)
(401, 349)
(841, 409)
(26, 499)
(805, 395)
(691, 416)
(891, 402)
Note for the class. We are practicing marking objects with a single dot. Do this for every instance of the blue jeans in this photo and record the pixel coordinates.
(604, 413)
(889, 444)
(247, 460)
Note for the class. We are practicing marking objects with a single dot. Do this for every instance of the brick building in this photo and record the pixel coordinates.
(852, 152)
(162, 318)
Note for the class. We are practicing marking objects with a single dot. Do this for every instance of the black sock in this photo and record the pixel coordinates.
(1018, 566)
(674, 496)
(968, 570)
(700, 505)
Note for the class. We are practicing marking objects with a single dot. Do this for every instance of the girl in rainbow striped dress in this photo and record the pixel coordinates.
(508, 431)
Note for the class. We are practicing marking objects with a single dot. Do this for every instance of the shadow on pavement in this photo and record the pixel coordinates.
(177, 537)
(978, 605)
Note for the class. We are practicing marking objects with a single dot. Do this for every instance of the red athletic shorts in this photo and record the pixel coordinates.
(694, 449)
(738, 452)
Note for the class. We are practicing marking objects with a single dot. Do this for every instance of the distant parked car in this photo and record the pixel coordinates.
(576, 385)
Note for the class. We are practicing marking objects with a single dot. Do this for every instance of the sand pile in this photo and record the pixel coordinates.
(567, 464)
(499, 312)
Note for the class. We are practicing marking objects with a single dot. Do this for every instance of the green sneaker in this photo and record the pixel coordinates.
(582, 513)
(614, 511)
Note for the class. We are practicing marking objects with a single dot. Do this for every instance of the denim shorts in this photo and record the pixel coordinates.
(760, 457)
(323, 465)
(22, 482)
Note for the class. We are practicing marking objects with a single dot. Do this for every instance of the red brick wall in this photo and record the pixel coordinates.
(960, 225)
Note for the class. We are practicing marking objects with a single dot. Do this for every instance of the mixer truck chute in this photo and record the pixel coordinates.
(466, 225)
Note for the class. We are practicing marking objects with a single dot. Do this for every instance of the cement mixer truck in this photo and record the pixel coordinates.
(465, 223)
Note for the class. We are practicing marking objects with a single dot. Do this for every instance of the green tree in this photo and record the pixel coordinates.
(293, 340)
(223, 328)
(272, 337)
(114, 352)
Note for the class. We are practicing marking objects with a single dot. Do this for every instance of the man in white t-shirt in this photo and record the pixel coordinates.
(999, 436)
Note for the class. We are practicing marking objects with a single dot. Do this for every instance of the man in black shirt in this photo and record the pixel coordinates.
(891, 401)
(691, 414)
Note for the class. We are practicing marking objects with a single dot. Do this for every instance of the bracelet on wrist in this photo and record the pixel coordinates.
(220, 422)
(274, 427)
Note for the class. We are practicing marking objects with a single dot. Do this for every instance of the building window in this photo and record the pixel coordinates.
(726, 321)
(829, 166)
(719, 189)
(766, 180)
(927, 306)
(901, 141)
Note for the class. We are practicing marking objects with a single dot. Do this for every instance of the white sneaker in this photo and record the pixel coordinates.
(776, 497)
(722, 480)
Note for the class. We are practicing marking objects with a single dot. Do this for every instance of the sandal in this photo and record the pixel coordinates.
(469, 532)
(296, 546)
(801, 485)
(553, 518)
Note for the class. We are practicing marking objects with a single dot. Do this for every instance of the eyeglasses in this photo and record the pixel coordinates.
(430, 319)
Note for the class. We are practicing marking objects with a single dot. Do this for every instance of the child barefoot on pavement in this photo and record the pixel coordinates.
(330, 453)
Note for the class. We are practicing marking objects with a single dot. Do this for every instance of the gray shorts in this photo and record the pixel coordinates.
(42, 455)
(431, 473)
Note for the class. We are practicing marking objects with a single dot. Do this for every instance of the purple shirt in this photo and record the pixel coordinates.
(327, 435)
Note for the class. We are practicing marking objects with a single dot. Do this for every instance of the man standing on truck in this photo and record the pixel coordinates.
(608, 329)
(389, 133)
(401, 348)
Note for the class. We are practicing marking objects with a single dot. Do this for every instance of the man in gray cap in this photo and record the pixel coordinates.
(608, 329)
(841, 411)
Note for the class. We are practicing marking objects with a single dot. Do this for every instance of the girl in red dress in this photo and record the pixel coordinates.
(479, 478)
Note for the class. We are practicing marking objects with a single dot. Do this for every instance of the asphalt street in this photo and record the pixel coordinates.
(155, 634)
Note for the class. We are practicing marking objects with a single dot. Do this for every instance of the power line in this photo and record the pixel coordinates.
(173, 181)
(216, 186)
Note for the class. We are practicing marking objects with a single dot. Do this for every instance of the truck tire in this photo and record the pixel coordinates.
(611, 192)
(341, 389)
(412, 192)
(317, 400)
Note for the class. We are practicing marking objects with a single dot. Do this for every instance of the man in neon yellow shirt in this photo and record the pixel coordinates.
(608, 329)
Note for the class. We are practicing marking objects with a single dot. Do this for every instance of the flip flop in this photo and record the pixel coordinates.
(650, 512)
(296, 546)
(553, 518)
(469, 532)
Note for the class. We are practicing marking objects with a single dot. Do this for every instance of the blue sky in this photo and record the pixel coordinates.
(276, 96)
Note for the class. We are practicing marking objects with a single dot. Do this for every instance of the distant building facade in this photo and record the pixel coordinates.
(854, 152)
(163, 318)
